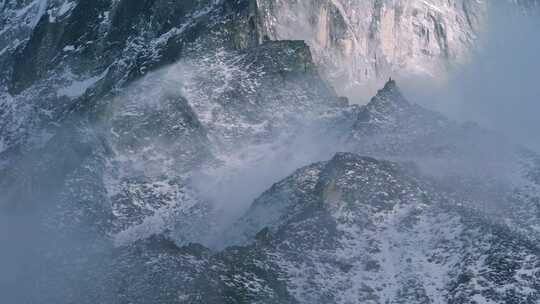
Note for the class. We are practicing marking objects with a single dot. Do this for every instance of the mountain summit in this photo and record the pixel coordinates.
(165, 151)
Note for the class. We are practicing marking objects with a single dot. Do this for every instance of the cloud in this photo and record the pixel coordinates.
(498, 88)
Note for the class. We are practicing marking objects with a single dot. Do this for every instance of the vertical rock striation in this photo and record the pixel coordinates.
(360, 43)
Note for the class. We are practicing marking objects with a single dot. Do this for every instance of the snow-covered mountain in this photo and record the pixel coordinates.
(162, 151)
(358, 230)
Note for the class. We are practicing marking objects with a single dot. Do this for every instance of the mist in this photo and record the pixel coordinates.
(247, 173)
(498, 86)
(495, 89)
(40, 264)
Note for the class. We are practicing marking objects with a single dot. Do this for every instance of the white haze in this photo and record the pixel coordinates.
(252, 170)
(498, 88)
(228, 186)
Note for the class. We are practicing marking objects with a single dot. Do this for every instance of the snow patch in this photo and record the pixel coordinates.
(78, 87)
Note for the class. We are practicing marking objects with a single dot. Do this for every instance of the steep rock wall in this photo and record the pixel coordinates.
(358, 44)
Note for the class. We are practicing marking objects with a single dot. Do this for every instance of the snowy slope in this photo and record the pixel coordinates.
(135, 134)
(358, 230)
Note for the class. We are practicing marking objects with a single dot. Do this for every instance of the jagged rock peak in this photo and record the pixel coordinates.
(388, 103)
(350, 178)
(345, 161)
(390, 123)
(286, 56)
(390, 84)
(390, 93)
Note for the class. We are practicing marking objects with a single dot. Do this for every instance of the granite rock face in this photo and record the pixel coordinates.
(129, 129)
(75, 92)
(486, 169)
(356, 229)
(359, 44)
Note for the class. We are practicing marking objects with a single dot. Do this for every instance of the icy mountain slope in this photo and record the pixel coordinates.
(157, 270)
(236, 104)
(81, 51)
(61, 119)
(359, 230)
(99, 145)
(96, 138)
(493, 173)
(133, 133)
(349, 230)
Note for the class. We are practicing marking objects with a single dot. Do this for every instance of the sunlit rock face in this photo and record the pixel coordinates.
(358, 44)
(146, 152)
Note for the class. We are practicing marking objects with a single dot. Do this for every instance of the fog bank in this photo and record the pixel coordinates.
(498, 88)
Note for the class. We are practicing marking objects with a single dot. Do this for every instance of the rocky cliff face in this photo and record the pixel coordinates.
(359, 44)
(120, 119)
(359, 230)
(75, 92)
(489, 171)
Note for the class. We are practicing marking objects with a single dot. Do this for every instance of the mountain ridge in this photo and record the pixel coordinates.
(170, 152)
